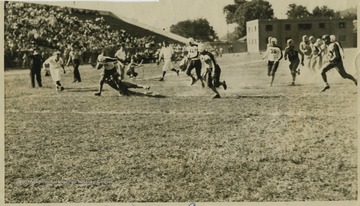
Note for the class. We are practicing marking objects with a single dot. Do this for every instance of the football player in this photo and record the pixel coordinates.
(274, 55)
(335, 61)
(112, 77)
(194, 62)
(55, 63)
(208, 62)
(166, 53)
(293, 55)
(306, 50)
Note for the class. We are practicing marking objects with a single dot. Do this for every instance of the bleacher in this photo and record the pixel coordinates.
(30, 25)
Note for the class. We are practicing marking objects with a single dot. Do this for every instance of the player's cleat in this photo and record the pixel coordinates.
(217, 96)
(98, 94)
(325, 88)
(224, 85)
(193, 81)
(292, 84)
(161, 79)
(202, 84)
(59, 88)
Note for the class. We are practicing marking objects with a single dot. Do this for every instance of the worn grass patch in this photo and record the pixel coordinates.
(255, 144)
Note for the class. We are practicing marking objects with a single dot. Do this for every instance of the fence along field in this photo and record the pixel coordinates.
(256, 143)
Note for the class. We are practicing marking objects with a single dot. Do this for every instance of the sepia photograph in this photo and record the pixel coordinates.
(179, 102)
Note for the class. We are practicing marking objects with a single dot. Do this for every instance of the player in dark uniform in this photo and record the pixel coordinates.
(335, 61)
(293, 55)
(217, 70)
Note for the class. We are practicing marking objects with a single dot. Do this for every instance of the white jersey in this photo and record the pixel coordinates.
(54, 64)
(206, 61)
(107, 65)
(305, 48)
(273, 53)
(166, 52)
(120, 54)
(193, 52)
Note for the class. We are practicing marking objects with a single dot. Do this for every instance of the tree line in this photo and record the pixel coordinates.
(242, 11)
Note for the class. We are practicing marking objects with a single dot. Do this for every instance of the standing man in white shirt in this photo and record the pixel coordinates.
(121, 57)
(56, 63)
(167, 52)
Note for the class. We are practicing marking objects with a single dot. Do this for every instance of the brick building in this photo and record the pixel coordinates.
(260, 29)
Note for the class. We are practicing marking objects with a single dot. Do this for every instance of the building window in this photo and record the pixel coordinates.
(342, 38)
(255, 28)
(321, 25)
(269, 27)
(287, 27)
(342, 25)
(304, 26)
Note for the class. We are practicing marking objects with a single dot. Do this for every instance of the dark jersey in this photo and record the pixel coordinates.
(36, 61)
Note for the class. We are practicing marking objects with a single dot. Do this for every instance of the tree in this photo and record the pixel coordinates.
(242, 11)
(350, 13)
(324, 11)
(297, 11)
(199, 29)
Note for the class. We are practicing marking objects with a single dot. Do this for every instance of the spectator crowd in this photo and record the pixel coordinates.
(49, 28)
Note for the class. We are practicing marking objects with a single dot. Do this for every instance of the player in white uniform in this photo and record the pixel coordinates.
(166, 53)
(335, 61)
(306, 50)
(274, 55)
(55, 63)
(316, 55)
(194, 62)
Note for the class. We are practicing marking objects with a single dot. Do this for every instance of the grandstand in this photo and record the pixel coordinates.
(90, 30)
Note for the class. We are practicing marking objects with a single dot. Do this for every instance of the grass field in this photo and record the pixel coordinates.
(257, 143)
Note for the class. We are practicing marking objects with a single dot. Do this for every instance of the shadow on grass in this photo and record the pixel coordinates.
(146, 94)
(255, 96)
(83, 89)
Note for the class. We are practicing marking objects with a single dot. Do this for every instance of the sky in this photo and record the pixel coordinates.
(164, 13)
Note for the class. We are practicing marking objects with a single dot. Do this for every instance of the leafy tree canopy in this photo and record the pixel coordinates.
(242, 11)
(199, 29)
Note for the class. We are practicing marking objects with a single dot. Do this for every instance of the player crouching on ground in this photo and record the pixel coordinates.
(112, 77)
(274, 54)
(293, 55)
(55, 62)
(208, 64)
